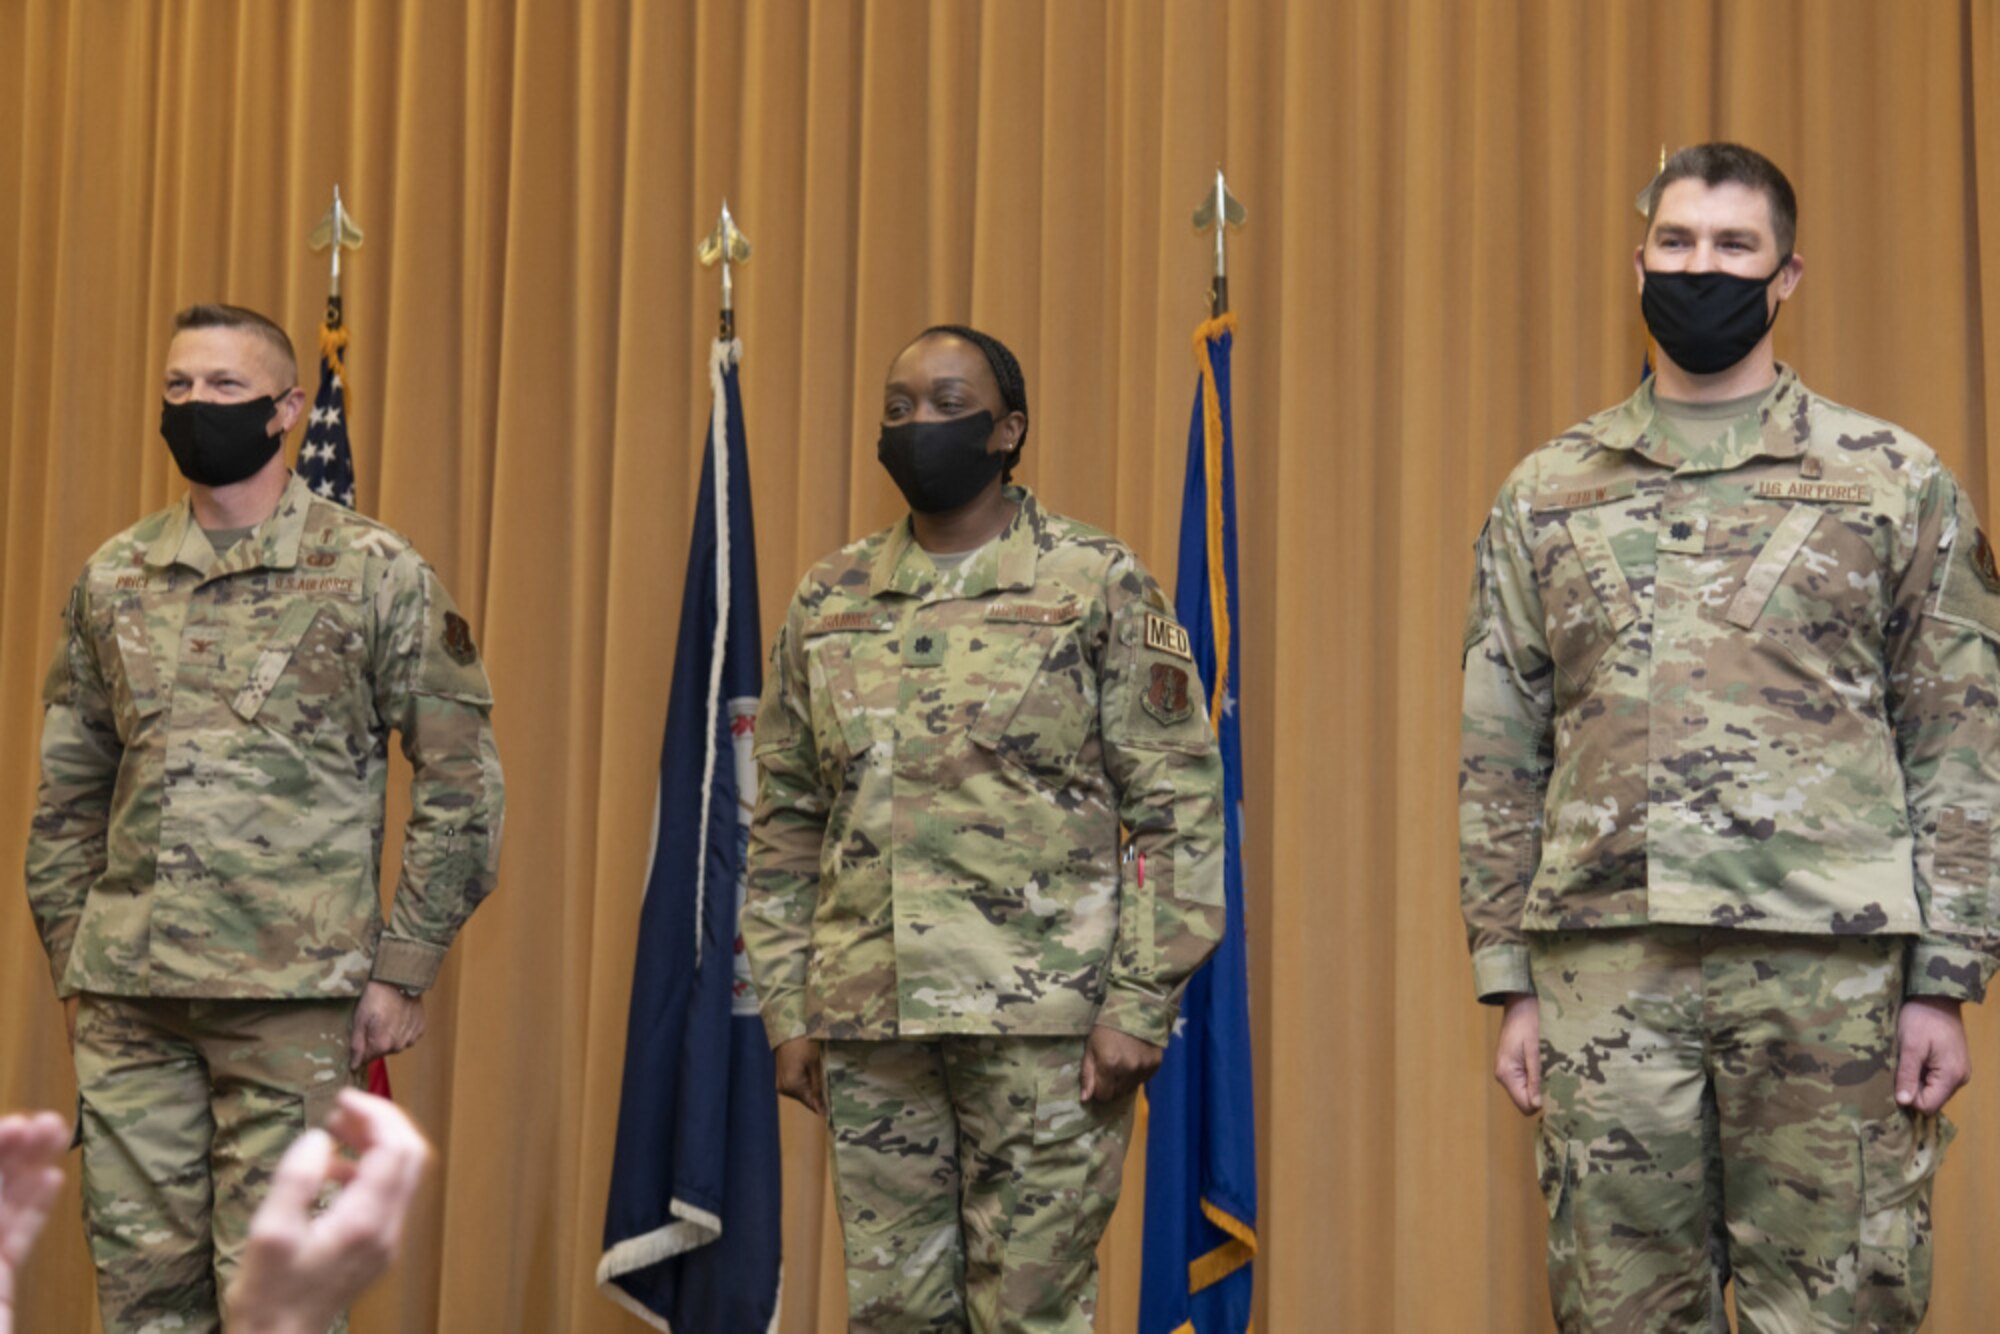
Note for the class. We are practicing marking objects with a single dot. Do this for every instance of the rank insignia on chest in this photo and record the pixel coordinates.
(1684, 534)
(1163, 636)
(1167, 697)
(923, 648)
(458, 639)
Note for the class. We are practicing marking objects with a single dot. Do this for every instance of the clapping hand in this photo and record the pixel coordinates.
(300, 1269)
(29, 1180)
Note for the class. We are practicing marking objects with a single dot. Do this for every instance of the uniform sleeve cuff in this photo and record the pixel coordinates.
(1948, 971)
(410, 964)
(1500, 971)
(1141, 1017)
(784, 1019)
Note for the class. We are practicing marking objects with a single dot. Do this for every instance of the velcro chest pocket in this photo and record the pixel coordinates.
(1043, 699)
(305, 669)
(1586, 599)
(134, 636)
(847, 671)
(1814, 584)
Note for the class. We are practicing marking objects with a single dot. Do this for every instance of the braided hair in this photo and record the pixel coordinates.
(1006, 370)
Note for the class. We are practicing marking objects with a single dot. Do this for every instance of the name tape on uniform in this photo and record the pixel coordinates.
(835, 622)
(1060, 613)
(1578, 497)
(1843, 493)
(1163, 635)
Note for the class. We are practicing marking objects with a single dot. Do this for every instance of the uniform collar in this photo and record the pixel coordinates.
(272, 544)
(1007, 562)
(1778, 427)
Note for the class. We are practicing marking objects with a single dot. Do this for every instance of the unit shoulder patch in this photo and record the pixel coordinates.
(1982, 561)
(458, 640)
(1167, 698)
(1163, 636)
(1970, 595)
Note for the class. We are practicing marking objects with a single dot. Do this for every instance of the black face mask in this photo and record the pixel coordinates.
(216, 444)
(940, 466)
(1707, 322)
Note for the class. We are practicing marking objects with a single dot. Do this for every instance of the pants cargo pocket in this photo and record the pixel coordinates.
(1066, 1180)
(1900, 1155)
(1554, 1169)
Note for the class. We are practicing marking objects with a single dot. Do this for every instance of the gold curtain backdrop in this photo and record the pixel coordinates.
(1436, 276)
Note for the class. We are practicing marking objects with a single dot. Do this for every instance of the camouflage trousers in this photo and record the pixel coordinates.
(1719, 1107)
(185, 1107)
(973, 1182)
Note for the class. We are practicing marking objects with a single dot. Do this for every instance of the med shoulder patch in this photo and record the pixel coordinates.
(1163, 636)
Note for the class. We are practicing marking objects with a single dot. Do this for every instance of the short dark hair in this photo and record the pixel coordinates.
(1716, 163)
(1006, 371)
(217, 316)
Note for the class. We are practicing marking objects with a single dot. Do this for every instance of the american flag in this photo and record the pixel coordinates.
(325, 460)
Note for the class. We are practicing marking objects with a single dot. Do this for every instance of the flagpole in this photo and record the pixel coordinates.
(326, 455)
(1200, 1232)
(726, 244)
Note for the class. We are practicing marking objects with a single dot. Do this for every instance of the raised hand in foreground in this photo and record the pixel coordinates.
(300, 1269)
(29, 1180)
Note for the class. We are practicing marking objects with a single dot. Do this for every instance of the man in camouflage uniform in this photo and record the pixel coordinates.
(961, 711)
(1726, 808)
(205, 851)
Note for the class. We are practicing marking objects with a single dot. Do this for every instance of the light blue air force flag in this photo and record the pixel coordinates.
(1201, 1144)
(691, 1239)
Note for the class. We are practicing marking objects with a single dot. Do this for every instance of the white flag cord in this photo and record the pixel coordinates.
(721, 355)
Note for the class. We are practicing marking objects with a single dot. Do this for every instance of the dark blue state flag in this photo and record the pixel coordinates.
(691, 1238)
(1201, 1140)
(326, 461)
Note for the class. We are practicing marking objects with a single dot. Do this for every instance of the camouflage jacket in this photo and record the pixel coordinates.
(1755, 688)
(215, 752)
(945, 760)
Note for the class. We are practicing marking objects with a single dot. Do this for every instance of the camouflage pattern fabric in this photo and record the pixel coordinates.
(1722, 1102)
(973, 1183)
(1753, 686)
(945, 759)
(171, 1177)
(214, 759)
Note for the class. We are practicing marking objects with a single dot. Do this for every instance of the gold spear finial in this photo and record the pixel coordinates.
(725, 245)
